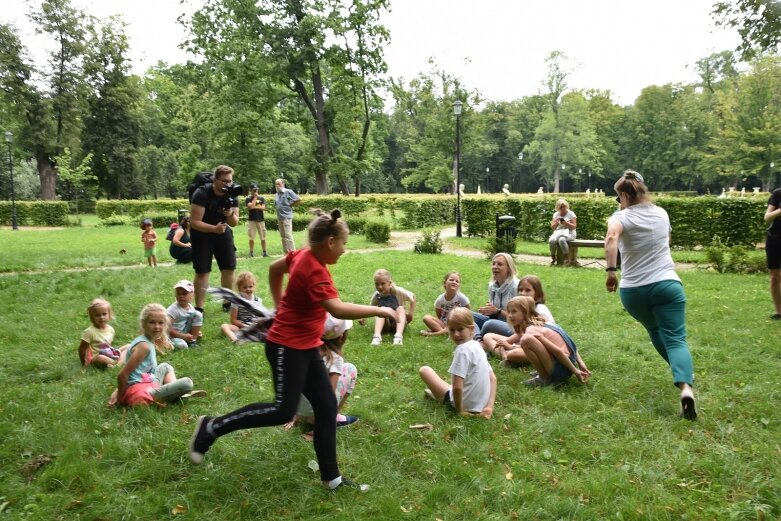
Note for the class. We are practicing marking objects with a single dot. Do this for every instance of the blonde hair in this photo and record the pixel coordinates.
(447, 276)
(633, 185)
(162, 344)
(460, 317)
(384, 274)
(562, 203)
(536, 284)
(245, 276)
(510, 265)
(528, 308)
(96, 303)
(325, 226)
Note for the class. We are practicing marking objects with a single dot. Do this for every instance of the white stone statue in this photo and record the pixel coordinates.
(461, 189)
(506, 190)
(723, 193)
(540, 190)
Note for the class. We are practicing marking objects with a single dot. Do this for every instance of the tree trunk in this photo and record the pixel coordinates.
(46, 174)
(556, 180)
(323, 138)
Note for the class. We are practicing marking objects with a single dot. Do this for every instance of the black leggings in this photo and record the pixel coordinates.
(294, 371)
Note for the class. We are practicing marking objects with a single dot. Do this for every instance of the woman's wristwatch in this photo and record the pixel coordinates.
(611, 269)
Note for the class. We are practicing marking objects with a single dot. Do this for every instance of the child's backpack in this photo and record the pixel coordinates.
(171, 232)
(200, 179)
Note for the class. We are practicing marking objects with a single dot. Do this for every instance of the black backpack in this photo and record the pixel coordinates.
(171, 233)
(200, 179)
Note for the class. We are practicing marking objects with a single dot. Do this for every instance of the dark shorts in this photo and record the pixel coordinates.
(446, 401)
(560, 373)
(773, 252)
(206, 245)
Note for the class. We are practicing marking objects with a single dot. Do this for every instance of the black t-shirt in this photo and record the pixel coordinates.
(255, 215)
(204, 196)
(775, 200)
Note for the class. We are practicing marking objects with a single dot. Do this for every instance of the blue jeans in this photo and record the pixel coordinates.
(484, 324)
(661, 308)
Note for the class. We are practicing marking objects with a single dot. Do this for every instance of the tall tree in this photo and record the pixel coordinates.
(111, 129)
(55, 114)
(301, 48)
(758, 22)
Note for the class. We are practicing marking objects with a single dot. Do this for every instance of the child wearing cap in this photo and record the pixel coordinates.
(186, 321)
(149, 238)
(343, 375)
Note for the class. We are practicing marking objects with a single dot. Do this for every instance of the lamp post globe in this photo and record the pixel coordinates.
(457, 111)
(9, 136)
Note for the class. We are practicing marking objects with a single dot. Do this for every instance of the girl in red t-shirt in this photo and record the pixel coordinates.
(292, 347)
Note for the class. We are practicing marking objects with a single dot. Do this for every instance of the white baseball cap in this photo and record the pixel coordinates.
(335, 327)
(185, 284)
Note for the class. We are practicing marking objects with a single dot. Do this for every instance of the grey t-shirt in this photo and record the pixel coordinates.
(644, 245)
(284, 203)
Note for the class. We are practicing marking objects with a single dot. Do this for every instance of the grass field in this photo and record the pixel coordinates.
(613, 448)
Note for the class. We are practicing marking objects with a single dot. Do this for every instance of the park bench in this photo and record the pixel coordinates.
(572, 258)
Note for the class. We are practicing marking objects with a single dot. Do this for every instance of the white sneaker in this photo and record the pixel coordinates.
(398, 340)
(376, 340)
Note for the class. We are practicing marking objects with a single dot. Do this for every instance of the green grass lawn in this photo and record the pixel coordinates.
(90, 246)
(613, 448)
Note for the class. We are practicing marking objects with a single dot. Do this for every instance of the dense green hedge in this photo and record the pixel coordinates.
(35, 213)
(418, 211)
(695, 220)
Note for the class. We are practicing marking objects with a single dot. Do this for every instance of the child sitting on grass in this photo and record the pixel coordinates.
(500, 343)
(142, 381)
(452, 298)
(185, 320)
(343, 375)
(240, 316)
(546, 346)
(95, 349)
(388, 295)
(473, 384)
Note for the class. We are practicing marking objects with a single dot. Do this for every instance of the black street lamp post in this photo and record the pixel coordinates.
(457, 111)
(8, 137)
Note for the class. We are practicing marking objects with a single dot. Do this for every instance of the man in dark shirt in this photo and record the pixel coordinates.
(256, 222)
(211, 234)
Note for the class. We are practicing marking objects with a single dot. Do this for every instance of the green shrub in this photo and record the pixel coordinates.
(356, 224)
(733, 259)
(428, 242)
(35, 213)
(377, 231)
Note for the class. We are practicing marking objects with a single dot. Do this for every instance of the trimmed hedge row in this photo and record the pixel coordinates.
(419, 211)
(695, 221)
(35, 213)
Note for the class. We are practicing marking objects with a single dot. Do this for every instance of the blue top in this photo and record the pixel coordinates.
(147, 365)
(284, 203)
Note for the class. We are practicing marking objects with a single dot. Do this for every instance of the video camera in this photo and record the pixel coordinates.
(230, 196)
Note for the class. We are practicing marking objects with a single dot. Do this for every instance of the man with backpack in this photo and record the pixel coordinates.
(212, 213)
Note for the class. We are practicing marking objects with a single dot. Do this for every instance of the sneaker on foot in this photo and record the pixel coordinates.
(265, 254)
(348, 420)
(252, 254)
(201, 440)
(775, 316)
(398, 340)
(688, 408)
(348, 483)
(376, 340)
(194, 394)
(537, 381)
(428, 393)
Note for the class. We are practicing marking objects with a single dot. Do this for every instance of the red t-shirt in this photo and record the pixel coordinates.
(300, 317)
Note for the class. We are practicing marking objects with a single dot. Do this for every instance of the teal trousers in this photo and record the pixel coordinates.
(661, 308)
